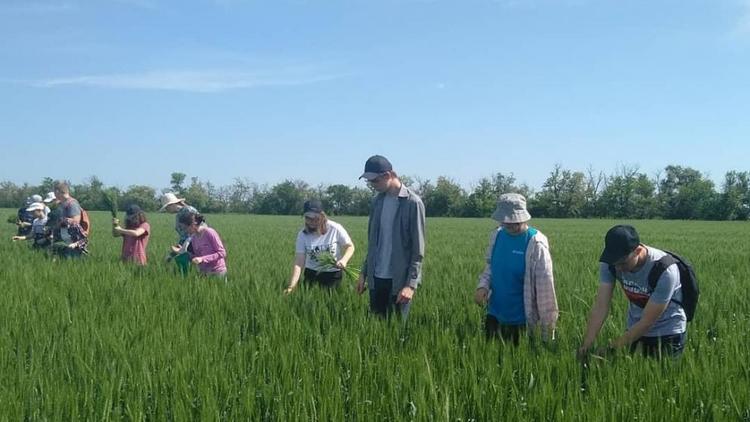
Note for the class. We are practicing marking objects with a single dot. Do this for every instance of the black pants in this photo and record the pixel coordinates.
(383, 302)
(667, 346)
(323, 279)
(509, 333)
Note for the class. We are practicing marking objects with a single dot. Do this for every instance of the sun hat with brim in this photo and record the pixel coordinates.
(50, 198)
(511, 208)
(36, 198)
(619, 242)
(168, 199)
(36, 206)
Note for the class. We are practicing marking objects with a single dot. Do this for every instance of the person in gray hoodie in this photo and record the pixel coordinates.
(392, 269)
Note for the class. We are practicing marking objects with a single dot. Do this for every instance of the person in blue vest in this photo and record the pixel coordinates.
(517, 284)
(656, 320)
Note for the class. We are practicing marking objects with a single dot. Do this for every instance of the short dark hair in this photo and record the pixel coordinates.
(190, 218)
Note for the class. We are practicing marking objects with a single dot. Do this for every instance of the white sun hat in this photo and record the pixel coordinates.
(168, 199)
(50, 198)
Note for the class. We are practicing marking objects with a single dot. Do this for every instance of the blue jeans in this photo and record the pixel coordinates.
(669, 346)
(383, 303)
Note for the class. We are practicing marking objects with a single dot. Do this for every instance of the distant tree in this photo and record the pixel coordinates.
(285, 198)
(339, 199)
(445, 199)
(564, 194)
(684, 193)
(177, 182)
(629, 194)
(143, 196)
(735, 197)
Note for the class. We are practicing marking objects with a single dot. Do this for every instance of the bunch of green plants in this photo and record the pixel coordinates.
(328, 263)
(110, 199)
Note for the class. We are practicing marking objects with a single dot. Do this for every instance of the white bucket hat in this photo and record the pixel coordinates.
(168, 199)
(511, 208)
(36, 206)
(50, 198)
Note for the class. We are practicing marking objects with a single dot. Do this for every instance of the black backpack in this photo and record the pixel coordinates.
(688, 280)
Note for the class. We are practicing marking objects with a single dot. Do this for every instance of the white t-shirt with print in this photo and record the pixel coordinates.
(312, 244)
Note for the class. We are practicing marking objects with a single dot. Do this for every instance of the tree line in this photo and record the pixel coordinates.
(676, 192)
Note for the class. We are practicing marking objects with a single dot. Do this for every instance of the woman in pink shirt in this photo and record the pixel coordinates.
(134, 236)
(207, 250)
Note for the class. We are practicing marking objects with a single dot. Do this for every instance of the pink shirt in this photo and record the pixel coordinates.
(134, 248)
(207, 246)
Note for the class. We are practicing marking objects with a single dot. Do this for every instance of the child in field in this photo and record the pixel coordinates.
(517, 284)
(208, 251)
(39, 234)
(135, 235)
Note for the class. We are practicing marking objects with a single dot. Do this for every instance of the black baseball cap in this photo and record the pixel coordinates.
(313, 205)
(375, 166)
(619, 242)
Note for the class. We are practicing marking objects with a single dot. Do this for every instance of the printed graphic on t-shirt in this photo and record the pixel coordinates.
(314, 252)
(635, 293)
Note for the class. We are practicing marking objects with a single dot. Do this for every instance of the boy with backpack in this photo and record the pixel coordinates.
(73, 224)
(660, 286)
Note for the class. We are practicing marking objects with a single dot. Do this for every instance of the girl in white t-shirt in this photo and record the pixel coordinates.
(319, 236)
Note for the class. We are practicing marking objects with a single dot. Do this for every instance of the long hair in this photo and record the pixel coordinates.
(322, 224)
(134, 221)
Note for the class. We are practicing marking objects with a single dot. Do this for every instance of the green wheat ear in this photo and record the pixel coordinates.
(111, 199)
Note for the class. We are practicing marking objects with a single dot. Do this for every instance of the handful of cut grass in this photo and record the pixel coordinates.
(12, 219)
(328, 262)
(110, 198)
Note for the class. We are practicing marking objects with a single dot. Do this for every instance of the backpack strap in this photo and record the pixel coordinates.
(658, 269)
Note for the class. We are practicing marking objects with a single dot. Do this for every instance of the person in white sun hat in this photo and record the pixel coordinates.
(38, 232)
(517, 283)
(179, 252)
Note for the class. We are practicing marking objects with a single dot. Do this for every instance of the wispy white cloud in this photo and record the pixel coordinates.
(201, 81)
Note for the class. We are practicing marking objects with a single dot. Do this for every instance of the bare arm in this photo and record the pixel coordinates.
(299, 263)
(130, 233)
(598, 314)
(651, 313)
(348, 252)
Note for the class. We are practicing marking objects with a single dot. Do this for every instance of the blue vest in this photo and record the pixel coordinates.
(508, 266)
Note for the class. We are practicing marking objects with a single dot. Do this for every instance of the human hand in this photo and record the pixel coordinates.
(341, 264)
(361, 285)
(288, 290)
(481, 295)
(197, 260)
(405, 295)
(176, 248)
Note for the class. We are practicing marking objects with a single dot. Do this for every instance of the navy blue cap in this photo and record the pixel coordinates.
(619, 242)
(313, 205)
(375, 166)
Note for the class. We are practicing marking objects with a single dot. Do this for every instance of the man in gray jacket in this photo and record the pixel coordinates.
(392, 270)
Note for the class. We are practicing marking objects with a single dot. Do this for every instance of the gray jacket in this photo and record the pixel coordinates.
(408, 241)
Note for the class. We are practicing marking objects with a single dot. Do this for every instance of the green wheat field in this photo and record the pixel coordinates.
(99, 340)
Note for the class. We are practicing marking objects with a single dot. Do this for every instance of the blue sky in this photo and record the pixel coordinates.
(132, 90)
